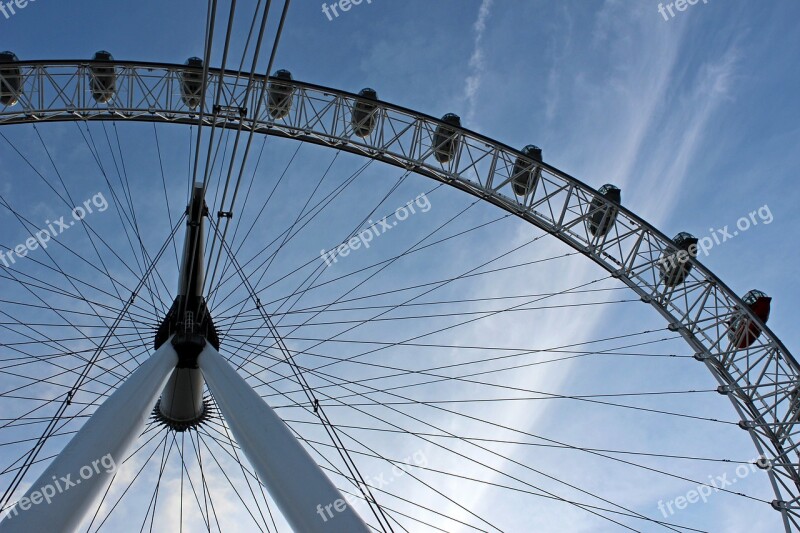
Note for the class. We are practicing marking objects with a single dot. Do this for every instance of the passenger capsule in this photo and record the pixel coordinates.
(103, 78)
(743, 332)
(603, 214)
(445, 138)
(364, 113)
(10, 80)
(527, 173)
(674, 263)
(192, 82)
(280, 95)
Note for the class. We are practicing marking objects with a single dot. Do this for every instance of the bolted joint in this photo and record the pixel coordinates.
(188, 345)
(779, 505)
(747, 425)
(196, 321)
(194, 213)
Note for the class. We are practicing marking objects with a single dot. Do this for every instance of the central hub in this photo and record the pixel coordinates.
(190, 326)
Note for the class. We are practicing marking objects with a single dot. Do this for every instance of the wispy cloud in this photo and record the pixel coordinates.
(650, 100)
(477, 62)
(687, 123)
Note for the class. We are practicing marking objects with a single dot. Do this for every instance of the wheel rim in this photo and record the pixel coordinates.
(700, 308)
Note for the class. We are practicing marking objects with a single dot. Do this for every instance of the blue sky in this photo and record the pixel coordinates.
(695, 118)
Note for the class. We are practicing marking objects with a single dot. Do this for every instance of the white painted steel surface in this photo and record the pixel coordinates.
(112, 429)
(293, 479)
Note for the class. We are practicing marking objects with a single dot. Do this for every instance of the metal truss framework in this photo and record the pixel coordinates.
(760, 380)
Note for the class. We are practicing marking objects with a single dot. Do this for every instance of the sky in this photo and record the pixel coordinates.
(694, 117)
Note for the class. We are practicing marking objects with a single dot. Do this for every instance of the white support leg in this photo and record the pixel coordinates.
(66, 490)
(307, 498)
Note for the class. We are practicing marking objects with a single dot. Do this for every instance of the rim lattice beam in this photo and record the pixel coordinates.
(760, 380)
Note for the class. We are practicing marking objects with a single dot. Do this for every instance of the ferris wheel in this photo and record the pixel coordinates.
(234, 343)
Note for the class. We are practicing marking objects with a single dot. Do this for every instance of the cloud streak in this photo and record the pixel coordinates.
(477, 62)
